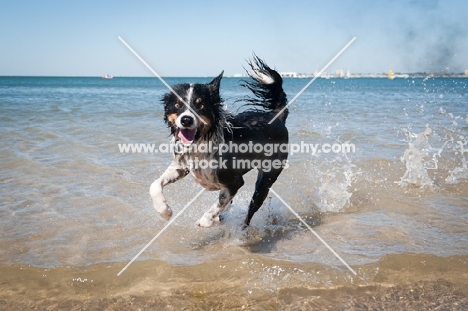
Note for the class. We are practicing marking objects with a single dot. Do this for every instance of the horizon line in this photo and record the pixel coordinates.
(238, 76)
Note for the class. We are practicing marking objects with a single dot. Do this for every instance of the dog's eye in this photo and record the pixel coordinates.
(198, 101)
(177, 105)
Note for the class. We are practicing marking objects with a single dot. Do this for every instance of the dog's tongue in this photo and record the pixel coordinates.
(187, 136)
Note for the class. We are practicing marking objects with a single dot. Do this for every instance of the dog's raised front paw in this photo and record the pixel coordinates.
(166, 213)
(163, 209)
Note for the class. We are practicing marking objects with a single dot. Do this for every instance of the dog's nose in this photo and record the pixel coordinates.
(186, 121)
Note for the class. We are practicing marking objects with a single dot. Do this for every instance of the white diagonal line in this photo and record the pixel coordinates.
(312, 230)
(160, 232)
(159, 77)
(311, 81)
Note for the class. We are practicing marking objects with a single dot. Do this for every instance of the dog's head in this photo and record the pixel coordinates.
(192, 113)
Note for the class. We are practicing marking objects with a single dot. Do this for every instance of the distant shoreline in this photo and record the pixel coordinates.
(422, 75)
(301, 76)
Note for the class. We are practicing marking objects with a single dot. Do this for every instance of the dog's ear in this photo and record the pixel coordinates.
(216, 81)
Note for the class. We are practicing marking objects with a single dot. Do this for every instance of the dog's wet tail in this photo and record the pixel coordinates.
(267, 86)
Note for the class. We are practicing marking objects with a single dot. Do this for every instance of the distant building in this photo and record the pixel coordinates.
(466, 72)
(290, 74)
(323, 75)
(339, 73)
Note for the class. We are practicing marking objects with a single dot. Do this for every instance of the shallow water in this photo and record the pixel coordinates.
(74, 207)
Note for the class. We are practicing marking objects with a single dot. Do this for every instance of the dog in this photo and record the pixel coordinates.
(196, 115)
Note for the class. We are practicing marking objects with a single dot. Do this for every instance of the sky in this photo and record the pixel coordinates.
(202, 38)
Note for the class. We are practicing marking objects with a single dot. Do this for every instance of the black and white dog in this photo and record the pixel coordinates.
(196, 115)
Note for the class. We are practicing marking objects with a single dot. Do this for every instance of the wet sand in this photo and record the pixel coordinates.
(396, 282)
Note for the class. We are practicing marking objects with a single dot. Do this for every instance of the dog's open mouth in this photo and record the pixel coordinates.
(187, 136)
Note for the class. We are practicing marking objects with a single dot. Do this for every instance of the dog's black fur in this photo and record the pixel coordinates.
(208, 122)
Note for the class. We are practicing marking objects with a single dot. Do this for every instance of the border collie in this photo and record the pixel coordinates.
(196, 115)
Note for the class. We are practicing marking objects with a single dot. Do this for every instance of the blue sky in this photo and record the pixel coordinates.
(201, 38)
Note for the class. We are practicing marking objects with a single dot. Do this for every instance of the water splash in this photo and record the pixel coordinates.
(336, 177)
(459, 173)
(418, 158)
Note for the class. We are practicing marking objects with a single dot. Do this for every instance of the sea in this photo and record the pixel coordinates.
(375, 216)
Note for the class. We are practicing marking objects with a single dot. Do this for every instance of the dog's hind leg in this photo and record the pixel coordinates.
(226, 195)
(173, 173)
(264, 181)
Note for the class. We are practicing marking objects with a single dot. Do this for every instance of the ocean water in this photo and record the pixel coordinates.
(386, 188)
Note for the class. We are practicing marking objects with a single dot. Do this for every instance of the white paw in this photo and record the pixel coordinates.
(208, 221)
(165, 213)
(159, 201)
(163, 209)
